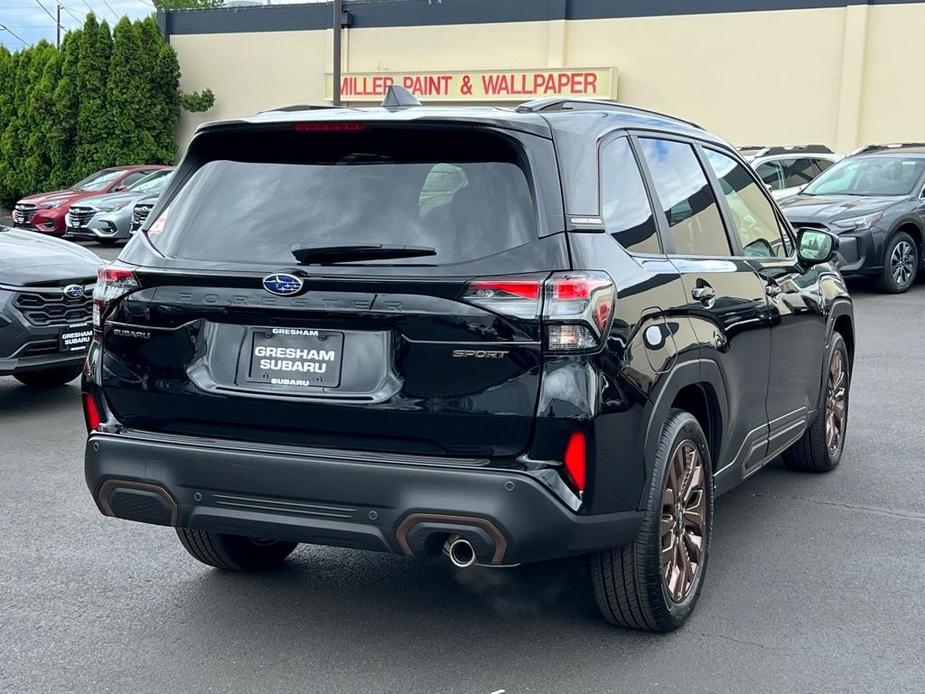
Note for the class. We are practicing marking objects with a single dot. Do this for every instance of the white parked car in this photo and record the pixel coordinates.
(785, 170)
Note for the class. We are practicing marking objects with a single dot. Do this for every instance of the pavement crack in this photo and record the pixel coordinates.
(838, 504)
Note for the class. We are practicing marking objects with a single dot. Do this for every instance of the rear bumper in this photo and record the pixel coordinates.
(330, 498)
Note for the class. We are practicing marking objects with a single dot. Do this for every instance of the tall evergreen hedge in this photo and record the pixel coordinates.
(103, 99)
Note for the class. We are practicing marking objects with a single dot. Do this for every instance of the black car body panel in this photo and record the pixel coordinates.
(449, 416)
(41, 327)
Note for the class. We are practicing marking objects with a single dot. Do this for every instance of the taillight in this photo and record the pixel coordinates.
(512, 297)
(576, 307)
(576, 463)
(91, 413)
(577, 310)
(112, 283)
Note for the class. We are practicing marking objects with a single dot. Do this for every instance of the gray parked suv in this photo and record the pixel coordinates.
(108, 218)
(46, 304)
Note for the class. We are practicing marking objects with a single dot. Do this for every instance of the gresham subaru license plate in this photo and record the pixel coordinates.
(295, 357)
(75, 338)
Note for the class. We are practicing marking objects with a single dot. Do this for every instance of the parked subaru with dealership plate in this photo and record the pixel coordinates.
(513, 335)
(46, 290)
(107, 219)
(45, 212)
(875, 202)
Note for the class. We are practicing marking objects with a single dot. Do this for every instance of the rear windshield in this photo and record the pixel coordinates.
(464, 194)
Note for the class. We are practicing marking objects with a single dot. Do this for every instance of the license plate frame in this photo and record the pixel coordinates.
(300, 358)
(75, 338)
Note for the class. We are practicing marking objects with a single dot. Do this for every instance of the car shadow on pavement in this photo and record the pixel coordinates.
(20, 400)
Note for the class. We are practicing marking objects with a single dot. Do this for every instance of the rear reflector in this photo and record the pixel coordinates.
(576, 459)
(91, 413)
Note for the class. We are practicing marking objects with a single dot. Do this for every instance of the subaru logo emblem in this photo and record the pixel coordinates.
(283, 284)
(74, 291)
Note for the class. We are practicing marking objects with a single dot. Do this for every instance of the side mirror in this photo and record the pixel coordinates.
(815, 247)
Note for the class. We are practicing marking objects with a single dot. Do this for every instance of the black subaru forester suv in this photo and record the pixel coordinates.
(513, 335)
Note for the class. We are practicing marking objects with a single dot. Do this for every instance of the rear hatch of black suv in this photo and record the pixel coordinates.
(359, 285)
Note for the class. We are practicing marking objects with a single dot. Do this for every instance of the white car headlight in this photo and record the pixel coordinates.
(859, 223)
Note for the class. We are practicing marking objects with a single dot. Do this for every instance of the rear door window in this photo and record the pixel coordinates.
(772, 174)
(625, 207)
(799, 171)
(465, 195)
(694, 221)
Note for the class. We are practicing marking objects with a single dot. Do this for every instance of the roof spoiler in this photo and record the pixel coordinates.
(399, 97)
(559, 103)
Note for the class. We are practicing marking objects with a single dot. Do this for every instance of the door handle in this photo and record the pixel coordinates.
(705, 294)
(772, 290)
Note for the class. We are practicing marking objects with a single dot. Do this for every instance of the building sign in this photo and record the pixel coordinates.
(479, 85)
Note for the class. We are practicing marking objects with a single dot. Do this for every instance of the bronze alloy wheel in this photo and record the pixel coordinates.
(902, 263)
(835, 395)
(684, 517)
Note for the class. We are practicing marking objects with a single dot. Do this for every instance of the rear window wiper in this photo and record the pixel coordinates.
(330, 255)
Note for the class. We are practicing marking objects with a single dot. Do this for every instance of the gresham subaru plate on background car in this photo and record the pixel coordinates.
(75, 338)
(295, 357)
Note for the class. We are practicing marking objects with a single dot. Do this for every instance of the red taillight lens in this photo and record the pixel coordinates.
(330, 127)
(512, 297)
(112, 283)
(91, 413)
(576, 307)
(576, 463)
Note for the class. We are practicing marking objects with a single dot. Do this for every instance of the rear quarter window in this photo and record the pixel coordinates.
(465, 194)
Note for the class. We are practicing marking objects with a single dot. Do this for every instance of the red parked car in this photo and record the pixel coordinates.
(45, 212)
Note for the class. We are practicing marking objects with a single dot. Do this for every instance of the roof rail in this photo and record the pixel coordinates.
(787, 149)
(559, 103)
(297, 107)
(886, 146)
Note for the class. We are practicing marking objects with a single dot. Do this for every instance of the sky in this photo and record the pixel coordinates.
(30, 23)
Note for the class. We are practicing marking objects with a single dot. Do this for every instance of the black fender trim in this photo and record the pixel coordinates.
(702, 372)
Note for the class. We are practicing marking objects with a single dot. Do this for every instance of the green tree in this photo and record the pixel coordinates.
(7, 111)
(12, 141)
(127, 96)
(187, 4)
(92, 114)
(62, 140)
(39, 117)
(166, 82)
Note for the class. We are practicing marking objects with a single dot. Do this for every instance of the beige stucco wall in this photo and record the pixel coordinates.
(840, 76)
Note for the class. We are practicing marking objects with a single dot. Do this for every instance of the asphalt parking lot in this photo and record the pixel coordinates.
(816, 583)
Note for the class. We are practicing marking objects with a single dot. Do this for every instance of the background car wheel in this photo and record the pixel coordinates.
(49, 378)
(820, 448)
(653, 584)
(900, 264)
(233, 552)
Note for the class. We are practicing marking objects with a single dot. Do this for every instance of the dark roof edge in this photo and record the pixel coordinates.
(399, 13)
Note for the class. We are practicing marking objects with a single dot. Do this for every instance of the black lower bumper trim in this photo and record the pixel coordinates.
(336, 501)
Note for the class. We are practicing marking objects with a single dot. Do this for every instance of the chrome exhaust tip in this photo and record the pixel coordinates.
(460, 552)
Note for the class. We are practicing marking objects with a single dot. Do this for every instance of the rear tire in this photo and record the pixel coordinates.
(49, 378)
(649, 585)
(233, 552)
(820, 449)
(900, 264)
